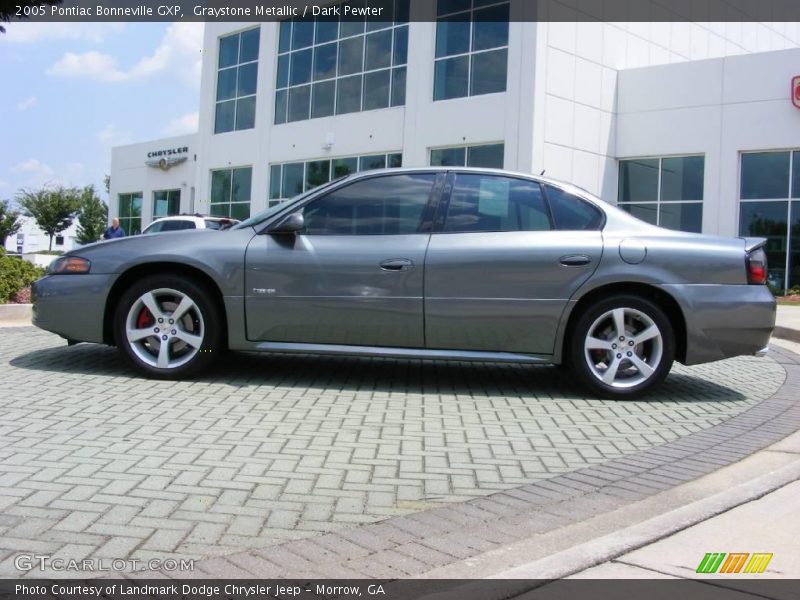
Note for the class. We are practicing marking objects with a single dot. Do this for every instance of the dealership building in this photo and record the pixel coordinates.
(692, 126)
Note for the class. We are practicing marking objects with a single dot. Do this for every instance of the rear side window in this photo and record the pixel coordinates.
(494, 203)
(177, 225)
(572, 213)
(388, 205)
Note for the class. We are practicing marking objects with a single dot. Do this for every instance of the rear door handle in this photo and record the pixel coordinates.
(575, 260)
(397, 264)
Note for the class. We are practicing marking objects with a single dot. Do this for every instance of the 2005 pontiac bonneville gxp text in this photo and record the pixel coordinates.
(432, 263)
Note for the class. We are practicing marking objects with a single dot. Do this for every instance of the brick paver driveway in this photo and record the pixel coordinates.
(96, 462)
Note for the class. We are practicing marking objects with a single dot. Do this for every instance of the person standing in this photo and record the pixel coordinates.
(115, 231)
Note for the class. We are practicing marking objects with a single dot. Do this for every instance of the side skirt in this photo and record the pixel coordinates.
(386, 352)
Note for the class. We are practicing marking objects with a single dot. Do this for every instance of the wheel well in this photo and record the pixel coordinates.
(127, 278)
(661, 298)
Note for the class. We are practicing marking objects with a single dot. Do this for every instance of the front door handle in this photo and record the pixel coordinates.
(575, 260)
(397, 264)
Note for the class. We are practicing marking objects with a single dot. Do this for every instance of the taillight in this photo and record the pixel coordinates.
(756, 262)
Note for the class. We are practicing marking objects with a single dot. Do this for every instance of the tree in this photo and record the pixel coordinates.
(9, 221)
(107, 183)
(92, 216)
(22, 9)
(53, 208)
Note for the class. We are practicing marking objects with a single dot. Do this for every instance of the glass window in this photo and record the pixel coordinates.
(130, 212)
(230, 192)
(353, 67)
(391, 205)
(289, 179)
(471, 48)
(572, 213)
(493, 203)
(667, 192)
(768, 220)
(765, 175)
(176, 226)
(237, 81)
(770, 180)
(487, 156)
(638, 180)
(166, 203)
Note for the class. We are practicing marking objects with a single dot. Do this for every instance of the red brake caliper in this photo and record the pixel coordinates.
(144, 319)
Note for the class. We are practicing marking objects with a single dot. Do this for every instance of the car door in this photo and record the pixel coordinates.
(353, 275)
(499, 272)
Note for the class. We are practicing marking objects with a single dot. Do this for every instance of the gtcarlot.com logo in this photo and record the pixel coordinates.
(734, 562)
(30, 562)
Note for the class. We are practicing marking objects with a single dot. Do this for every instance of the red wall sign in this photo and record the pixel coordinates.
(796, 91)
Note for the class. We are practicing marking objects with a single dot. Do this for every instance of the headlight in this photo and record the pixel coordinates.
(69, 265)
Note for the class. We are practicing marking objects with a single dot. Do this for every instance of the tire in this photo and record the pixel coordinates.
(193, 340)
(641, 356)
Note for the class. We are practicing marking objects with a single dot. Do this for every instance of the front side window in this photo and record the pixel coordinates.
(330, 67)
(230, 192)
(237, 81)
(491, 203)
(471, 48)
(486, 156)
(769, 207)
(667, 192)
(389, 205)
(130, 212)
(166, 203)
(289, 179)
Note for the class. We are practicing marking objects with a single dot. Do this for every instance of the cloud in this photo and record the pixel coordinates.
(24, 105)
(34, 174)
(188, 123)
(25, 32)
(179, 53)
(110, 135)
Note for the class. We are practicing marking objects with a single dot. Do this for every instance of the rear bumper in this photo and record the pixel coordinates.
(72, 306)
(725, 320)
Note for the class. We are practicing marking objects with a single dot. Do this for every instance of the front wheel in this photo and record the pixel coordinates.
(168, 327)
(622, 347)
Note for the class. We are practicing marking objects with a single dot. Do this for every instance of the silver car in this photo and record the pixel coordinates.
(429, 263)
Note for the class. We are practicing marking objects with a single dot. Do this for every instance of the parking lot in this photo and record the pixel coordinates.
(97, 462)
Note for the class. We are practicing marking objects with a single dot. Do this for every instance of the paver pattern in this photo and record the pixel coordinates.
(97, 462)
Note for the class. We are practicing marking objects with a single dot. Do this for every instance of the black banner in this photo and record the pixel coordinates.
(402, 10)
(732, 588)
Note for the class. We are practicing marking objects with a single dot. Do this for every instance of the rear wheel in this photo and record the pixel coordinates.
(168, 327)
(622, 347)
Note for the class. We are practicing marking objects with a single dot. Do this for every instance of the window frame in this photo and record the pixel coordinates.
(331, 175)
(129, 220)
(397, 71)
(466, 149)
(471, 52)
(789, 199)
(236, 98)
(658, 202)
(229, 202)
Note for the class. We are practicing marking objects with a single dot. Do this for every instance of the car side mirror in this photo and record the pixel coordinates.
(291, 224)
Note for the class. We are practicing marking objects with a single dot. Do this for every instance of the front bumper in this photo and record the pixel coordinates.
(725, 320)
(72, 306)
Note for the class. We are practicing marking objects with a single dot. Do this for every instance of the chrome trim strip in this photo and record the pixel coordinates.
(384, 352)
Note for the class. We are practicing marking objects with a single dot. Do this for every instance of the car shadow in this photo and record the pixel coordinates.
(383, 375)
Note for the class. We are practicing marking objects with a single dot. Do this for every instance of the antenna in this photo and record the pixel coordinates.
(542, 173)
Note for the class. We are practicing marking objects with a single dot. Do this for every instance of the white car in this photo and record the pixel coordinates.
(181, 222)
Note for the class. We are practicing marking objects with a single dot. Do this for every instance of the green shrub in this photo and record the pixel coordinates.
(16, 274)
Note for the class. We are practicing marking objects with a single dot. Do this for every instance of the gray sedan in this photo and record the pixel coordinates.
(456, 264)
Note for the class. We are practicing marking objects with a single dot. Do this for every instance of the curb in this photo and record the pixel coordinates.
(609, 547)
(16, 314)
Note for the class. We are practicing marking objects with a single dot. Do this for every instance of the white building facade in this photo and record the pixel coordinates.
(688, 125)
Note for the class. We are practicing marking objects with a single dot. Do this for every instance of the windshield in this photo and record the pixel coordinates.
(272, 210)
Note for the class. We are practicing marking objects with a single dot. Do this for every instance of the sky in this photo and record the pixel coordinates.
(71, 91)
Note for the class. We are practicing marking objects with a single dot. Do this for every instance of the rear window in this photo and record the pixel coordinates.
(572, 213)
(177, 225)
